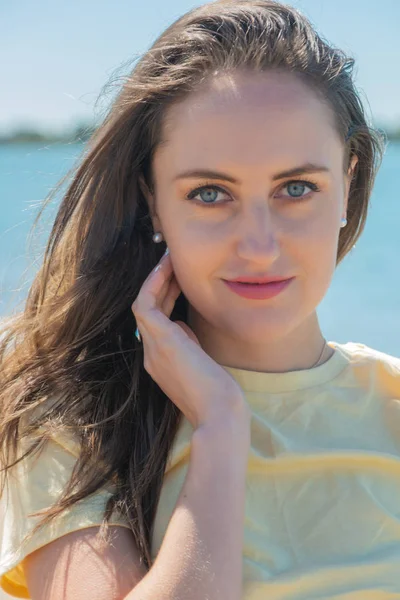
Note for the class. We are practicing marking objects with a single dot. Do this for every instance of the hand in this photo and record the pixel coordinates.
(173, 357)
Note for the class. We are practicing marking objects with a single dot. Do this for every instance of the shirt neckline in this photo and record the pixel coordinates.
(290, 381)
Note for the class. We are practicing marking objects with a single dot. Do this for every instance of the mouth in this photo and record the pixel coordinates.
(258, 291)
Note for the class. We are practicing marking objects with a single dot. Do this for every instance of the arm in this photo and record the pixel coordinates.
(201, 554)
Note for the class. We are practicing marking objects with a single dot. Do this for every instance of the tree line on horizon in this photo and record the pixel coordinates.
(23, 135)
(82, 132)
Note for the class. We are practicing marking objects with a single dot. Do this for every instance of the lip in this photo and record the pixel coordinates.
(262, 291)
(257, 279)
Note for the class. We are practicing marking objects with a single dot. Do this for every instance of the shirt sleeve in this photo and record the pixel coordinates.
(33, 484)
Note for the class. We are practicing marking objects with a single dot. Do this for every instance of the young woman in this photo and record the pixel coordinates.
(228, 450)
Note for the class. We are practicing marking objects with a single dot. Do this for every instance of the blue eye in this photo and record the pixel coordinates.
(299, 184)
(211, 192)
(209, 197)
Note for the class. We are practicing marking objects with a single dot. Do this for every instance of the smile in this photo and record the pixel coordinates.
(258, 291)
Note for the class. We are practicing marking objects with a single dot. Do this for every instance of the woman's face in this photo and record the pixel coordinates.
(248, 218)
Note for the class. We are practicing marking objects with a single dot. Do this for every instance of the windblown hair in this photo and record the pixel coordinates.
(70, 359)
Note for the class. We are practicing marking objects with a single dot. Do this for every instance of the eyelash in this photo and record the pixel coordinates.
(311, 184)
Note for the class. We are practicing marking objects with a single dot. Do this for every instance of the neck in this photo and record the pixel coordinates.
(297, 350)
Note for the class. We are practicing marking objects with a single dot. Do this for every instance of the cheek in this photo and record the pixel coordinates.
(194, 259)
(316, 255)
(316, 240)
(195, 246)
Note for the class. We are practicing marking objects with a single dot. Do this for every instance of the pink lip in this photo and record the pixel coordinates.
(255, 279)
(258, 291)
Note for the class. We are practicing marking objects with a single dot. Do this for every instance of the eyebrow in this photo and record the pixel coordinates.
(209, 174)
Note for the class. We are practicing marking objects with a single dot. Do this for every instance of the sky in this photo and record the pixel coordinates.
(61, 60)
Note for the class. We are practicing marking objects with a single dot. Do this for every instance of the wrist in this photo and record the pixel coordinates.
(232, 427)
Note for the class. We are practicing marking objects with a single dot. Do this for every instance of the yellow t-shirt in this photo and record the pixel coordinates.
(322, 512)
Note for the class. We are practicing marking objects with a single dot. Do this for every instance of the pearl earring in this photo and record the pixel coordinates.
(157, 237)
(343, 222)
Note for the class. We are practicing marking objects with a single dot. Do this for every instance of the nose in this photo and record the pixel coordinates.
(257, 241)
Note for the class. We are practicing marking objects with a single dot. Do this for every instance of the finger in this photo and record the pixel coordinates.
(171, 297)
(165, 290)
(153, 286)
(155, 327)
(147, 307)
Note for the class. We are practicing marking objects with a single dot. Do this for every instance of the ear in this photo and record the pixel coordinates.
(150, 202)
(349, 178)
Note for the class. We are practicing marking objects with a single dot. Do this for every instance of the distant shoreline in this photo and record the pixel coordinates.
(82, 133)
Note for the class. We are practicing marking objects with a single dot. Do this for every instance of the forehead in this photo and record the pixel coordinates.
(245, 118)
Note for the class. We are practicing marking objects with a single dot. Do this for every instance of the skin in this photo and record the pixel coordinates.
(252, 126)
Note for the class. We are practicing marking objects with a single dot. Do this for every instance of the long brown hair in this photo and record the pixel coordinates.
(71, 352)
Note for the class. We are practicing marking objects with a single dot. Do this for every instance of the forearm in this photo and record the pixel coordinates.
(201, 554)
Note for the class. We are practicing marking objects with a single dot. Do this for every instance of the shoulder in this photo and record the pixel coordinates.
(373, 368)
(360, 353)
(33, 486)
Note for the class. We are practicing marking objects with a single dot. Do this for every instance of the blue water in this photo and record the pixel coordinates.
(362, 304)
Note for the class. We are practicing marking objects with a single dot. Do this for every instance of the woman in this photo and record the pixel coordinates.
(227, 450)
